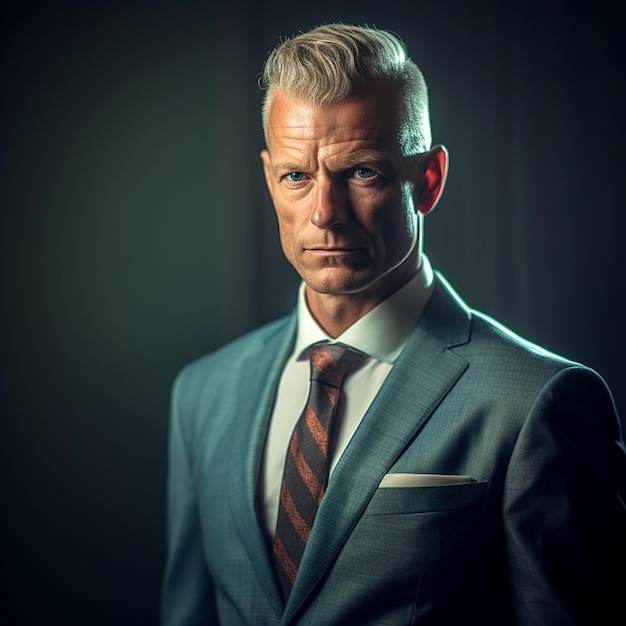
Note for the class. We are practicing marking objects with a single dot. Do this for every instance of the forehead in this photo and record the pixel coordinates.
(371, 117)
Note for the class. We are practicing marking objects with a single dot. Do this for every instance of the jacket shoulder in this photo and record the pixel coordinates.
(494, 351)
(219, 364)
(499, 341)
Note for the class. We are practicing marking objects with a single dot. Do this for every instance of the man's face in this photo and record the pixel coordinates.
(343, 191)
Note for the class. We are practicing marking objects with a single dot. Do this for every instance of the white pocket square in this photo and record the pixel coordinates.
(423, 480)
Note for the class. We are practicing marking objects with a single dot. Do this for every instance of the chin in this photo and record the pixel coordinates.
(338, 281)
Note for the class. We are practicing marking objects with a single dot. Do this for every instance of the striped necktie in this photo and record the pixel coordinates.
(306, 466)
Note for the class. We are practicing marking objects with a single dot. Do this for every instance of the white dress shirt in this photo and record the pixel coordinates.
(381, 334)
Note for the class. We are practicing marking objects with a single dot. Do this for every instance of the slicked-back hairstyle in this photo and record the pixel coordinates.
(332, 62)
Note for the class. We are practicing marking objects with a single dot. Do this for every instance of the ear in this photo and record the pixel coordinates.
(265, 157)
(434, 166)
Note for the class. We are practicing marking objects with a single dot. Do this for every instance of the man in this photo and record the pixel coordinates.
(468, 476)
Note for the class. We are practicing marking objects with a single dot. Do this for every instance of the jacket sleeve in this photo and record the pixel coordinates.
(187, 592)
(563, 506)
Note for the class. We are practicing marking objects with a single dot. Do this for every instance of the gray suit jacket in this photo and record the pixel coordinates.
(536, 538)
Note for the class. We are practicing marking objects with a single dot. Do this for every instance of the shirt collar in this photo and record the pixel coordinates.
(383, 331)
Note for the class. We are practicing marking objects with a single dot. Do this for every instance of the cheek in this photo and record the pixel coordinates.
(286, 231)
(396, 224)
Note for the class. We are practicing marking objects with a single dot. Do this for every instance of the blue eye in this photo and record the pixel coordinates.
(295, 177)
(364, 172)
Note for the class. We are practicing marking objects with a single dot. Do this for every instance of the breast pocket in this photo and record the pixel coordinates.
(404, 500)
(409, 544)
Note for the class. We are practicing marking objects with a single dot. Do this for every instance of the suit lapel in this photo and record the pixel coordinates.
(259, 379)
(423, 374)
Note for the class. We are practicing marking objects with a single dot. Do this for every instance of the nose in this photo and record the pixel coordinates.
(329, 208)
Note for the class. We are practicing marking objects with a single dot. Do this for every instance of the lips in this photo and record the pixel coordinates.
(333, 247)
(330, 248)
(333, 250)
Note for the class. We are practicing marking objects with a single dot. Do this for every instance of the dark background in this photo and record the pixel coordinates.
(136, 234)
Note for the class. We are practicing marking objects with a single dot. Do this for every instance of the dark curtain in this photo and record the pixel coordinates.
(136, 234)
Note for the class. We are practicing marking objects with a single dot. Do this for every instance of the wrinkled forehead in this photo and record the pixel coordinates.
(376, 112)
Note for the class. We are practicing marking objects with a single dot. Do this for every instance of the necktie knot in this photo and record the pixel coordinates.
(332, 362)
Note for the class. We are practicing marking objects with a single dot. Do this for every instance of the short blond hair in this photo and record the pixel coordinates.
(332, 62)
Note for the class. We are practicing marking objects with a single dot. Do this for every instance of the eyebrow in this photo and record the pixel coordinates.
(346, 162)
(286, 166)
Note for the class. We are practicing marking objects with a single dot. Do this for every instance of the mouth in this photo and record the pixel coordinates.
(332, 249)
(328, 251)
